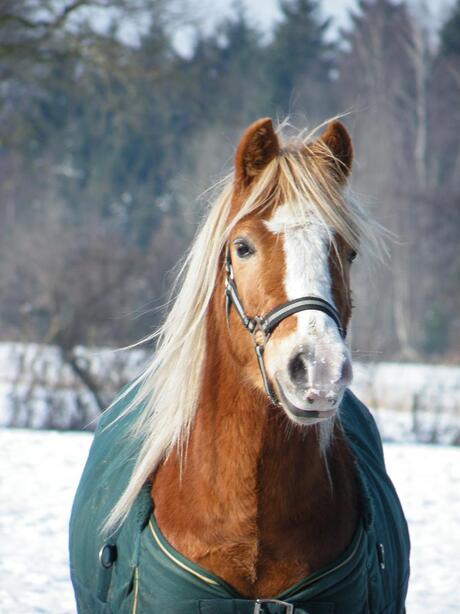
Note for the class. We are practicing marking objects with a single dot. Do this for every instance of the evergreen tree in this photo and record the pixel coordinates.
(225, 77)
(450, 34)
(300, 58)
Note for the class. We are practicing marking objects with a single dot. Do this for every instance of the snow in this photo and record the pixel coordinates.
(403, 386)
(427, 479)
(39, 472)
(39, 390)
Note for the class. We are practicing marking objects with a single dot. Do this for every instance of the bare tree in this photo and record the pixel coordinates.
(67, 282)
(384, 76)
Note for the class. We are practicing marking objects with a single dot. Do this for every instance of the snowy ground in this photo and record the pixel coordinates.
(39, 471)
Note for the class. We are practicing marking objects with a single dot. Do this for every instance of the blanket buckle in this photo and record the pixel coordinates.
(258, 608)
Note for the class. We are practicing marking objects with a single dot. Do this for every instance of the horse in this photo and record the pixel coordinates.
(239, 473)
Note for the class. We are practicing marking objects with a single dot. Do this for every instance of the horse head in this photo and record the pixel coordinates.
(287, 268)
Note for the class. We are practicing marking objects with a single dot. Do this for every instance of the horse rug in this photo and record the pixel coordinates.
(137, 571)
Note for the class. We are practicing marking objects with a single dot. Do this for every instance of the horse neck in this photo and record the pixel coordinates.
(254, 488)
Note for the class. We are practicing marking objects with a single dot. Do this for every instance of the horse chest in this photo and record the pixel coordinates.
(240, 556)
(241, 539)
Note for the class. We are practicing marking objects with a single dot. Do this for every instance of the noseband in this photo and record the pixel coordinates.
(261, 327)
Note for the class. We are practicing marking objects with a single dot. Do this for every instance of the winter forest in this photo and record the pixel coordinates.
(109, 143)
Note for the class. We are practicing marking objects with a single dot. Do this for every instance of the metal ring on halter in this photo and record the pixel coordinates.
(261, 327)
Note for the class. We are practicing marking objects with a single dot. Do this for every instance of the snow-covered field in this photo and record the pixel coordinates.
(39, 471)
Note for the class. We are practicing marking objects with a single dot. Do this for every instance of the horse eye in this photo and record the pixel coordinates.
(351, 256)
(243, 249)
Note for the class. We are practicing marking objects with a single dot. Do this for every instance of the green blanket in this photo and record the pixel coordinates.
(141, 573)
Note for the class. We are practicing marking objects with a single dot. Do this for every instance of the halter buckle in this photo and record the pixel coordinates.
(258, 608)
(257, 328)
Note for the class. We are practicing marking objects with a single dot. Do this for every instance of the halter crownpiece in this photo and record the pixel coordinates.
(261, 327)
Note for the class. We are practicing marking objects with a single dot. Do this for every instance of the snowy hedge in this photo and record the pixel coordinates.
(42, 388)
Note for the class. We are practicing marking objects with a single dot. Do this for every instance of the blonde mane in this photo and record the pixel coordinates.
(169, 388)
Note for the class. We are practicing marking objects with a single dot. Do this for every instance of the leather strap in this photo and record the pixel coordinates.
(314, 303)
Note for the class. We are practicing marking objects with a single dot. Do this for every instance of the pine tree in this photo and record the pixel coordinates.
(450, 34)
(300, 58)
(225, 77)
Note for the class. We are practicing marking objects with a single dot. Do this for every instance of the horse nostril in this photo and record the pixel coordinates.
(346, 374)
(298, 369)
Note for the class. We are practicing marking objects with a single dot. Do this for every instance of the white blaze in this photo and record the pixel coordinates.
(306, 249)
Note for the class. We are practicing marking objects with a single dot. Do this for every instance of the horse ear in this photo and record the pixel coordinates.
(258, 146)
(338, 142)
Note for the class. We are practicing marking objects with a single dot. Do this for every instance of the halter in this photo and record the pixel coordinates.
(261, 327)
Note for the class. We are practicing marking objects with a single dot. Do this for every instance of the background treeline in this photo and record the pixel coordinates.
(106, 144)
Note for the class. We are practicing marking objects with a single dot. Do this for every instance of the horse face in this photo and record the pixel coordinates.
(276, 261)
(276, 258)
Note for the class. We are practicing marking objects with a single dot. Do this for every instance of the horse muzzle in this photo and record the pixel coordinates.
(311, 388)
